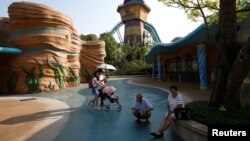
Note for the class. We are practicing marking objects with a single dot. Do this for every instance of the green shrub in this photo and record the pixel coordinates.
(137, 67)
(203, 113)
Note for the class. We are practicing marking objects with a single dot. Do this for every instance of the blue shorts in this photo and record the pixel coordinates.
(94, 90)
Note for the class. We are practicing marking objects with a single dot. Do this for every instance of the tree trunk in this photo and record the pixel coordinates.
(227, 51)
(236, 77)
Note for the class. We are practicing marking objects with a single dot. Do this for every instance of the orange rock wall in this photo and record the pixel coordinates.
(51, 48)
(4, 25)
(92, 54)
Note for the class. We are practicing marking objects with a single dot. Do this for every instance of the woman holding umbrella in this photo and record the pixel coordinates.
(102, 79)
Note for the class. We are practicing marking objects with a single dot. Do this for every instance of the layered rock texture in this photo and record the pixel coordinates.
(53, 55)
(92, 54)
(51, 48)
(4, 26)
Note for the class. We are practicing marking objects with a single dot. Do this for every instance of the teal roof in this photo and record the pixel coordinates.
(196, 37)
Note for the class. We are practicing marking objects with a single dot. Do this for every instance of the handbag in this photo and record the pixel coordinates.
(182, 113)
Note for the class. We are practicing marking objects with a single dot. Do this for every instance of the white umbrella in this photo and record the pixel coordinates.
(106, 66)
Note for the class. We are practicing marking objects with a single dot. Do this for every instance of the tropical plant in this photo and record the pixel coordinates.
(31, 80)
(120, 55)
(73, 78)
(58, 69)
(112, 48)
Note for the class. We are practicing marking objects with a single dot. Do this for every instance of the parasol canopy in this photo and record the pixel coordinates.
(106, 66)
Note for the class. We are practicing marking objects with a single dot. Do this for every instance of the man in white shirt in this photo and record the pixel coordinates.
(141, 108)
(174, 101)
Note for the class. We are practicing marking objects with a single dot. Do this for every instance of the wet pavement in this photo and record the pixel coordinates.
(88, 124)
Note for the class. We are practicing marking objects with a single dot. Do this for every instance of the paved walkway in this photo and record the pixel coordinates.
(190, 91)
(88, 124)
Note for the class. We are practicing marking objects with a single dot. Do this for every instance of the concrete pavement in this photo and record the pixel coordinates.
(82, 123)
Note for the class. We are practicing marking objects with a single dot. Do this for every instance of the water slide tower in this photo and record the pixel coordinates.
(133, 14)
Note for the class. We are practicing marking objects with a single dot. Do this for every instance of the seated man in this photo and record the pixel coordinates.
(141, 108)
(174, 101)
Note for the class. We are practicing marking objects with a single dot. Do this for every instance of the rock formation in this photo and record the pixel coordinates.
(51, 49)
(4, 25)
(92, 55)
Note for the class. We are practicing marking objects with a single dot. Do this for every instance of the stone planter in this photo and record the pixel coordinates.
(190, 130)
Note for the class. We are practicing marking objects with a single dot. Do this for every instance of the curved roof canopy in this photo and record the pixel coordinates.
(198, 36)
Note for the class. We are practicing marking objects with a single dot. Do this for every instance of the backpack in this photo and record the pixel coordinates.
(90, 83)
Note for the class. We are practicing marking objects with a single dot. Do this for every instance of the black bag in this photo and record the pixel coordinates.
(182, 113)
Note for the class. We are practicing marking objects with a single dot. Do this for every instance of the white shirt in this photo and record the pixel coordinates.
(101, 79)
(173, 102)
(94, 83)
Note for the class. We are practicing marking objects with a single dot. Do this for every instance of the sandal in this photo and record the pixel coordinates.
(156, 135)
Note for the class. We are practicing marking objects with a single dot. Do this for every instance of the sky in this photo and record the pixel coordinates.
(99, 16)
